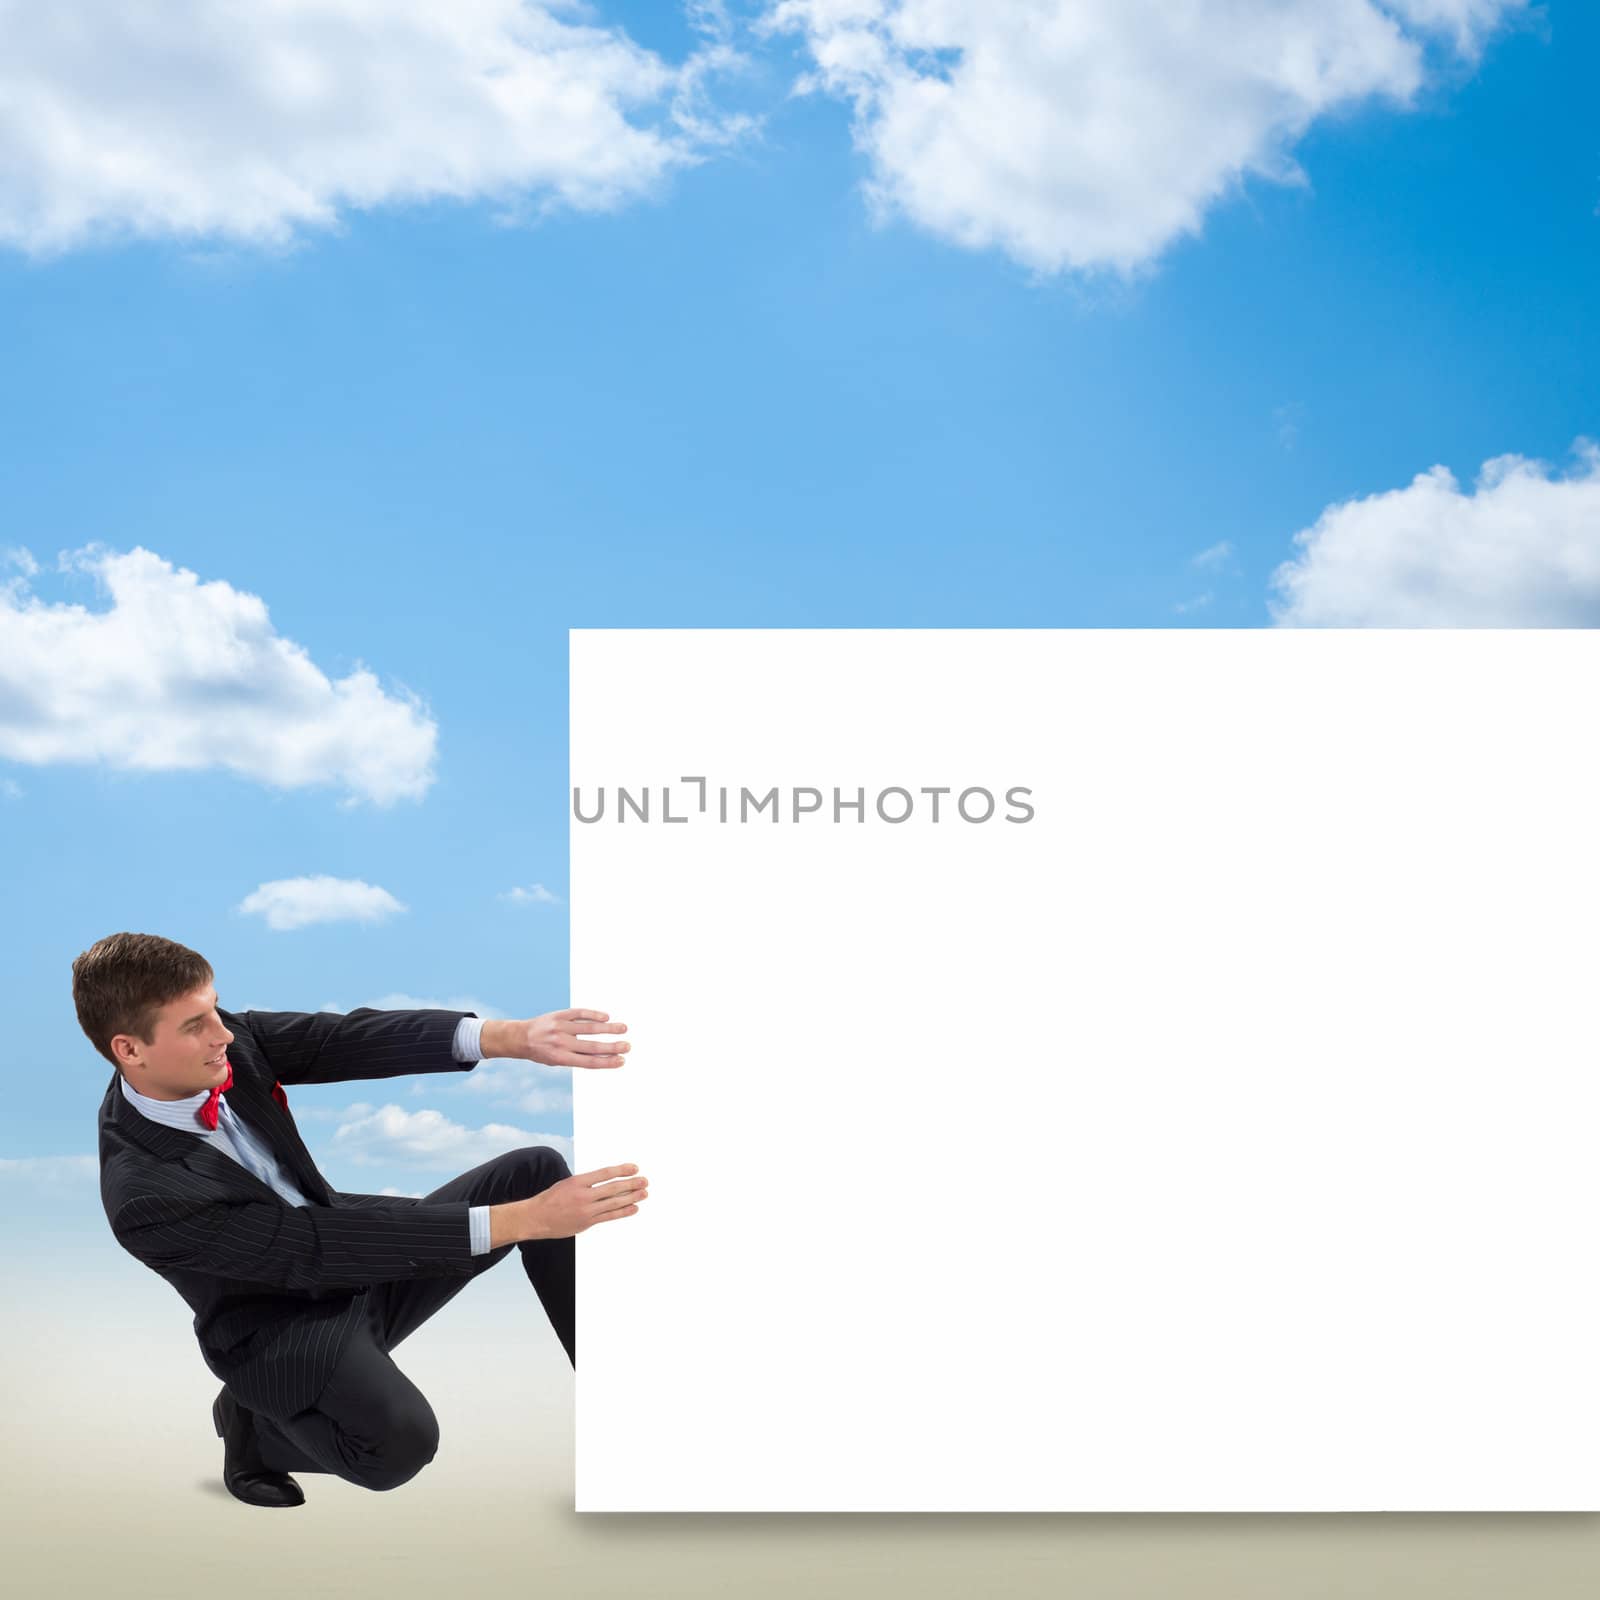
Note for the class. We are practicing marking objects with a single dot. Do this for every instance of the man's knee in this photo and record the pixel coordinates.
(407, 1440)
(543, 1165)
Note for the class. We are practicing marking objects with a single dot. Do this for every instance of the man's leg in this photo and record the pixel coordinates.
(404, 1306)
(371, 1424)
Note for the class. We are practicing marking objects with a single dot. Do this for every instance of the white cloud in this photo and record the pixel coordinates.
(10, 789)
(1466, 21)
(51, 1170)
(1090, 134)
(1289, 417)
(534, 894)
(289, 903)
(197, 118)
(1521, 550)
(391, 1136)
(411, 1002)
(1214, 555)
(180, 676)
(527, 1085)
(1216, 559)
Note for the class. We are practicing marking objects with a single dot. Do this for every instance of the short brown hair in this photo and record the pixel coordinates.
(121, 981)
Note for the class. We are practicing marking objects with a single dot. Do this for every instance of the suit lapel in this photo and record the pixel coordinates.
(266, 1119)
(176, 1145)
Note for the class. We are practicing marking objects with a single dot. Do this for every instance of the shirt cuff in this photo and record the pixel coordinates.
(465, 1044)
(478, 1229)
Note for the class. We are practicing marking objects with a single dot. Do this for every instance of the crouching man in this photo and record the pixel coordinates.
(299, 1291)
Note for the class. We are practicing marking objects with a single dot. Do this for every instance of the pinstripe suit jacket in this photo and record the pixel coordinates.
(276, 1289)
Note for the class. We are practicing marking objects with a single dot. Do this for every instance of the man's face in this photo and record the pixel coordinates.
(186, 1049)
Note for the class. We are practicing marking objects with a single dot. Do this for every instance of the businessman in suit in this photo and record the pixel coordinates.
(300, 1291)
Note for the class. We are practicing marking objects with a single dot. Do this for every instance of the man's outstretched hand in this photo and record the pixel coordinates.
(585, 1198)
(556, 1039)
(568, 1207)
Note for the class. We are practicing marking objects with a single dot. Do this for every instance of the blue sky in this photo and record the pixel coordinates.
(1011, 321)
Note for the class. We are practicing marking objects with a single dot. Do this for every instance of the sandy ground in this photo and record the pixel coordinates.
(111, 1486)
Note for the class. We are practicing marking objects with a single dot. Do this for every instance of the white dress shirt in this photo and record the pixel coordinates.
(234, 1139)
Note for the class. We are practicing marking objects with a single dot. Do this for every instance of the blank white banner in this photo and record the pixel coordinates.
(1089, 1070)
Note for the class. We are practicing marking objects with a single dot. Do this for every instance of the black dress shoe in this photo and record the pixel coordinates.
(245, 1474)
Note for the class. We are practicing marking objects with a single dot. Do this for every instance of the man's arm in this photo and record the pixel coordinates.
(326, 1047)
(327, 1247)
(297, 1247)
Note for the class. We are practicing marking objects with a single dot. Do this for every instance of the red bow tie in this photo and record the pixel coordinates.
(208, 1112)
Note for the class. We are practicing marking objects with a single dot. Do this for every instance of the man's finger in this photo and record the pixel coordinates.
(625, 1189)
(600, 1173)
(577, 1016)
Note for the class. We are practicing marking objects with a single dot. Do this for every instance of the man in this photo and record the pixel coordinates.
(299, 1291)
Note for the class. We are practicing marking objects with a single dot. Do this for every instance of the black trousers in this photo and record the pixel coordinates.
(371, 1424)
